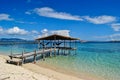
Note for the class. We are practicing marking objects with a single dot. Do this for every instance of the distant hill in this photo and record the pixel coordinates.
(11, 39)
(15, 41)
(100, 41)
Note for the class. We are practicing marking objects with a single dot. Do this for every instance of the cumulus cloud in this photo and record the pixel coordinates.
(49, 12)
(1, 29)
(61, 32)
(5, 17)
(44, 32)
(16, 31)
(35, 32)
(100, 19)
(38, 36)
(116, 26)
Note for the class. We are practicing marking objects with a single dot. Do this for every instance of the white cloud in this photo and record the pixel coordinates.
(5, 17)
(49, 12)
(1, 29)
(61, 32)
(34, 32)
(44, 32)
(16, 31)
(100, 19)
(38, 36)
(116, 26)
(113, 37)
(24, 22)
(27, 12)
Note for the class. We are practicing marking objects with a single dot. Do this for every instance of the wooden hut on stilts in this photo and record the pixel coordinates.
(61, 44)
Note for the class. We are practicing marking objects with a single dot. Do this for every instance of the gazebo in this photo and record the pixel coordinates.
(58, 42)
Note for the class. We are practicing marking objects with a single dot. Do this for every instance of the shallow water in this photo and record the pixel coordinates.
(98, 59)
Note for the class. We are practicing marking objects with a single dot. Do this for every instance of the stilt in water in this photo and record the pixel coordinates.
(50, 52)
(43, 57)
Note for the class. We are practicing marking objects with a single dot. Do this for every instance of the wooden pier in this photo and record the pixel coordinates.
(48, 45)
(29, 54)
(33, 54)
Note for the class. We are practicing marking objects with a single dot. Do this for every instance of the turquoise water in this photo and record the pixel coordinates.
(95, 59)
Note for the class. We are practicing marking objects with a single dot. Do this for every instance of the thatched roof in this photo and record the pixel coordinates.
(57, 37)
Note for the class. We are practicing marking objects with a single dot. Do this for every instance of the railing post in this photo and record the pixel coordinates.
(11, 54)
(35, 57)
(55, 46)
(22, 56)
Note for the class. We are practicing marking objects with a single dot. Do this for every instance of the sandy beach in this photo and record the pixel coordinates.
(13, 72)
(29, 71)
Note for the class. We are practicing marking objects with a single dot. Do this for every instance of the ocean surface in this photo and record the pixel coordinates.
(95, 59)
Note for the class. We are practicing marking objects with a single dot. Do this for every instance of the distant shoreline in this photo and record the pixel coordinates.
(34, 42)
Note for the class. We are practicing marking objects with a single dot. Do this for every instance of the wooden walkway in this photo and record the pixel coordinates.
(46, 52)
(23, 56)
(28, 54)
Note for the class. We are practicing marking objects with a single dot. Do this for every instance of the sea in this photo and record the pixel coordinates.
(99, 60)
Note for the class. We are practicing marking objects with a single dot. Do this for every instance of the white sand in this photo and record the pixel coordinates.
(29, 72)
(13, 72)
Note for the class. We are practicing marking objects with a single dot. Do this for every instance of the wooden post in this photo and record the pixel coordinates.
(51, 48)
(38, 44)
(64, 47)
(50, 52)
(43, 57)
(70, 47)
(43, 52)
(11, 54)
(23, 57)
(55, 46)
(18, 64)
(75, 48)
(35, 57)
(58, 48)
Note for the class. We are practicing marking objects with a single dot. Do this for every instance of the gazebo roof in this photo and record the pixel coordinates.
(57, 37)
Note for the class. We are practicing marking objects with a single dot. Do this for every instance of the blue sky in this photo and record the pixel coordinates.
(85, 19)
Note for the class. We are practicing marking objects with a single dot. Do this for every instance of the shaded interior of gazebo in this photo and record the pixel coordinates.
(63, 44)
